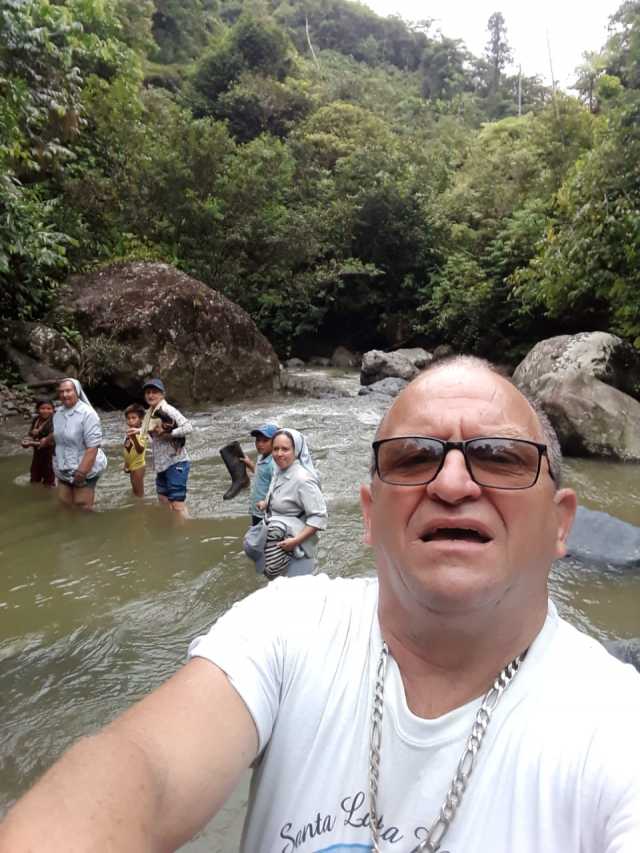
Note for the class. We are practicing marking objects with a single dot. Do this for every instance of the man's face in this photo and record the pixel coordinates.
(425, 553)
(153, 396)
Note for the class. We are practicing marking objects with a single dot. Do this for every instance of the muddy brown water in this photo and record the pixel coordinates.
(97, 609)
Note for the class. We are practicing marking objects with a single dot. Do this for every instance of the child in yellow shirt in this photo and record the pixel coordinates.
(134, 449)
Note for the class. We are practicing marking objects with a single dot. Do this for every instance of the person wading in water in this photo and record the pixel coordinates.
(442, 705)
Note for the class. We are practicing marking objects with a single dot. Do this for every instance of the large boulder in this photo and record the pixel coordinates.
(593, 419)
(48, 346)
(596, 354)
(400, 363)
(40, 354)
(144, 319)
(589, 386)
(34, 373)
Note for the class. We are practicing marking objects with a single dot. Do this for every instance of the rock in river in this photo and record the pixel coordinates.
(147, 319)
(600, 539)
(628, 651)
(401, 363)
(389, 387)
(589, 386)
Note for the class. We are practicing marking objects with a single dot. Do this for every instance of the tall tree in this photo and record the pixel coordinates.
(443, 68)
(48, 54)
(588, 72)
(182, 28)
(623, 47)
(497, 50)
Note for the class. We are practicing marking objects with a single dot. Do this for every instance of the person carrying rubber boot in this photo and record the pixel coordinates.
(233, 457)
(262, 468)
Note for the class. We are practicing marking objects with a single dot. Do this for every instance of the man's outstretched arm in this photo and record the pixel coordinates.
(149, 781)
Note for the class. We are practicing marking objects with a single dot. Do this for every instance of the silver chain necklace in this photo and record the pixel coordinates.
(441, 824)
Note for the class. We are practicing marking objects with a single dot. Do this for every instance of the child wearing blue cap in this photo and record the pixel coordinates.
(262, 468)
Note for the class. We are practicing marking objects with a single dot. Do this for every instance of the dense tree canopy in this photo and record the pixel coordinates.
(344, 177)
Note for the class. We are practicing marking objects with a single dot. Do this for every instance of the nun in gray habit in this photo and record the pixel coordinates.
(295, 508)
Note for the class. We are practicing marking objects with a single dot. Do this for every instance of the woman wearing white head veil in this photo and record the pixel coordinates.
(295, 508)
(301, 451)
(78, 460)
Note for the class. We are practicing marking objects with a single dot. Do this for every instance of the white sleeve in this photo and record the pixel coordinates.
(91, 429)
(183, 426)
(614, 761)
(620, 803)
(256, 644)
(313, 503)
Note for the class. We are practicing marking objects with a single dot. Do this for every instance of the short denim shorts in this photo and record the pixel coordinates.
(172, 482)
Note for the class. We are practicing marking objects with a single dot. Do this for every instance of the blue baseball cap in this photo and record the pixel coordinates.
(158, 384)
(267, 430)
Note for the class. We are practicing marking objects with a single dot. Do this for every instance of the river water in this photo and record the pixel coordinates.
(97, 609)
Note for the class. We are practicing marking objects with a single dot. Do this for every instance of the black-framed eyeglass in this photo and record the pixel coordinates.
(493, 462)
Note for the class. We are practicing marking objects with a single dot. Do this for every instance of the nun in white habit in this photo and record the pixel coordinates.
(78, 459)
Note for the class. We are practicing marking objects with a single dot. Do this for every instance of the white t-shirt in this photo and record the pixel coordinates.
(558, 771)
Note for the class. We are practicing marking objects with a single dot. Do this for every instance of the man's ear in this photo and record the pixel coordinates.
(566, 503)
(366, 500)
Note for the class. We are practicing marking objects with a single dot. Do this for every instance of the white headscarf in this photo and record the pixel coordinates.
(79, 390)
(301, 450)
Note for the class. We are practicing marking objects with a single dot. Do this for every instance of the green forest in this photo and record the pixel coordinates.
(345, 178)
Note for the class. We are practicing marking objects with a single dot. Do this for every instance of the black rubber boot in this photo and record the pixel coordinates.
(232, 457)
